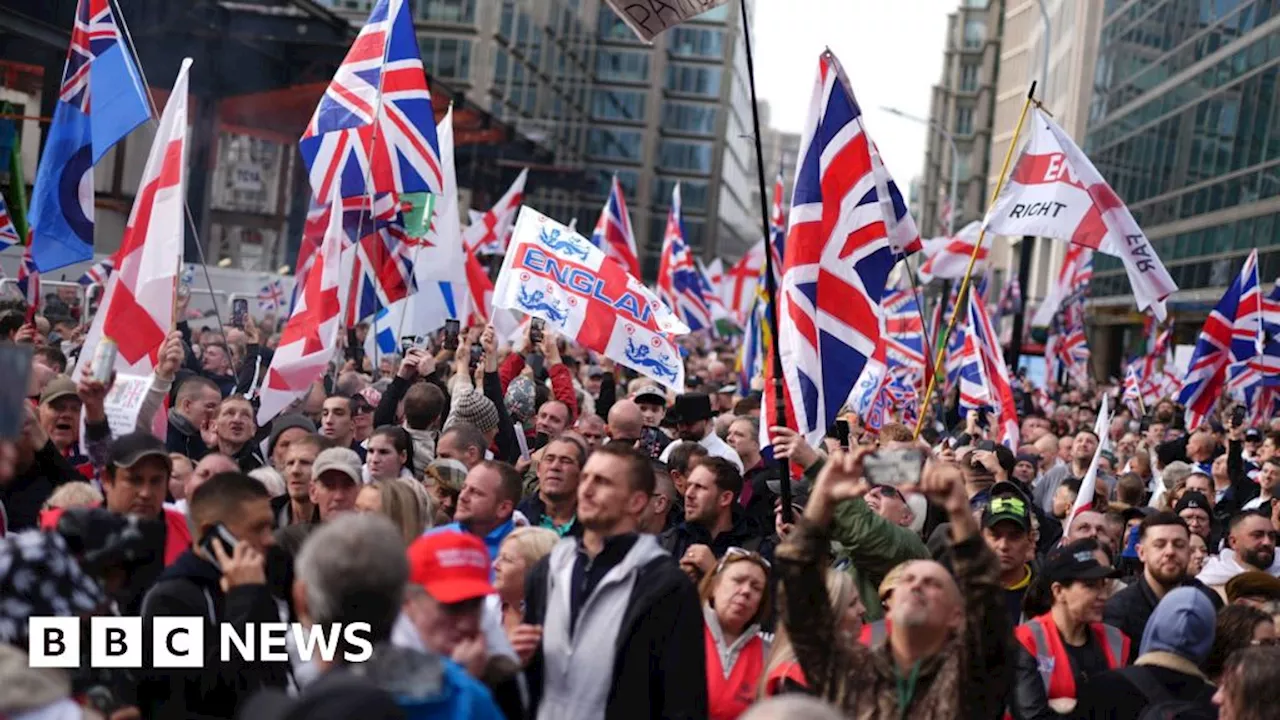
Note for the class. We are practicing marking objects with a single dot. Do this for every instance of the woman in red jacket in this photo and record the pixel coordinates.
(734, 598)
(1069, 644)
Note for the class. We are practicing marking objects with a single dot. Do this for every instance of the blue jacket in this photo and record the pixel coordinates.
(492, 541)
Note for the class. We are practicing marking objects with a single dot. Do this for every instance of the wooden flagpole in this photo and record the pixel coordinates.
(962, 296)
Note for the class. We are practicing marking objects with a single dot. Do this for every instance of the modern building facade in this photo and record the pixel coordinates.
(1064, 87)
(1185, 124)
(962, 106)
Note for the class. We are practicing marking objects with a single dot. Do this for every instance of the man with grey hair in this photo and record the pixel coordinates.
(354, 570)
(788, 707)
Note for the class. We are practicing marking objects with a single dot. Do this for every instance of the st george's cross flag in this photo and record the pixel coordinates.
(1056, 192)
(100, 101)
(561, 277)
(947, 258)
(490, 233)
(310, 337)
(137, 310)
(739, 288)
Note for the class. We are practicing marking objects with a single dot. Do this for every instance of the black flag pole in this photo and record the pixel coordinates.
(780, 412)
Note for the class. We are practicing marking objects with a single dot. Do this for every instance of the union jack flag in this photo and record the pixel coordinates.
(1132, 396)
(490, 233)
(8, 233)
(1271, 336)
(905, 347)
(29, 282)
(98, 274)
(613, 232)
(375, 119)
(777, 231)
(847, 226)
(1220, 347)
(996, 373)
(680, 280)
(271, 296)
(1010, 297)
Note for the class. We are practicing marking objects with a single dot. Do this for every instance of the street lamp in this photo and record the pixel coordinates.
(955, 160)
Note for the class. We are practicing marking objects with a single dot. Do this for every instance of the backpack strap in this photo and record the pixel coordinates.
(1148, 685)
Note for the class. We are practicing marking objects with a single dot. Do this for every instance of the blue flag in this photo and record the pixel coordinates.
(101, 100)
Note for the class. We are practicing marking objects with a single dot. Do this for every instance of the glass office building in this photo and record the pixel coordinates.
(1185, 124)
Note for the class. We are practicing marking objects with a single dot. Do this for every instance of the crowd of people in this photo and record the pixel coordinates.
(533, 532)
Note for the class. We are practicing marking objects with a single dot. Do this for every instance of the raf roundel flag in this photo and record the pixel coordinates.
(101, 100)
(555, 274)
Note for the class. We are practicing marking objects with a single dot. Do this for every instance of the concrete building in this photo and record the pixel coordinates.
(1065, 89)
(963, 103)
(1185, 124)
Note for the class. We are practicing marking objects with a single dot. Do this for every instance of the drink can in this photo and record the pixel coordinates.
(104, 360)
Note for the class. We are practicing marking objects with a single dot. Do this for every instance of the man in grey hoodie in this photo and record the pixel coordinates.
(1167, 673)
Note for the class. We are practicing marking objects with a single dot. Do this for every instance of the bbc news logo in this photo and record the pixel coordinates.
(179, 642)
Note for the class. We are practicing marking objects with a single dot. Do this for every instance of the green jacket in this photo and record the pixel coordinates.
(872, 545)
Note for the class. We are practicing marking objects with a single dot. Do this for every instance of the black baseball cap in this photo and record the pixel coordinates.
(1193, 499)
(1253, 435)
(1007, 506)
(1075, 562)
(128, 450)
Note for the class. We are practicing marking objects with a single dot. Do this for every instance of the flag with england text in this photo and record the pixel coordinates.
(846, 231)
(1220, 347)
(1056, 192)
(613, 233)
(491, 232)
(310, 337)
(947, 258)
(559, 276)
(375, 119)
(100, 101)
(137, 310)
(680, 281)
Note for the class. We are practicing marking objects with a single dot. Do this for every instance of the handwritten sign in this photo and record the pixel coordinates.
(124, 401)
(649, 18)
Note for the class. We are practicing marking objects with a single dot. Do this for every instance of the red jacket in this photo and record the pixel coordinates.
(177, 536)
(561, 381)
(729, 697)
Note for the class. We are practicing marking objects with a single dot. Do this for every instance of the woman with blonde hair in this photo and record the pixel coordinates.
(405, 502)
(735, 596)
(520, 550)
(782, 672)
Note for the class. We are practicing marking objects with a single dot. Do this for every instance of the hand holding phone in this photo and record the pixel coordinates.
(239, 311)
(536, 326)
(896, 468)
(842, 432)
(452, 328)
(1237, 417)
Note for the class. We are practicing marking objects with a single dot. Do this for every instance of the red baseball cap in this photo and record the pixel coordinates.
(451, 566)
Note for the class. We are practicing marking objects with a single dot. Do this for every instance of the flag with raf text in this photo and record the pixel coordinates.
(1055, 191)
(555, 274)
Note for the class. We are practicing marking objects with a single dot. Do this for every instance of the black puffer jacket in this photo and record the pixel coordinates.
(745, 533)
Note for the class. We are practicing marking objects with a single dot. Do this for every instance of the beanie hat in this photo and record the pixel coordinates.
(473, 408)
(287, 422)
(520, 399)
(1183, 624)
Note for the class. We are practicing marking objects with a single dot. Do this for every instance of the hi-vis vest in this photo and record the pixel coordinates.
(1041, 638)
(727, 698)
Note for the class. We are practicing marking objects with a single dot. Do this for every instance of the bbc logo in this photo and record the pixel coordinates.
(116, 642)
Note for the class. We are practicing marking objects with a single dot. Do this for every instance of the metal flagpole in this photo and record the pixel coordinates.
(780, 412)
(973, 260)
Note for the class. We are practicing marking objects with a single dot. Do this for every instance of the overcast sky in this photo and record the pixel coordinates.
(891, 51)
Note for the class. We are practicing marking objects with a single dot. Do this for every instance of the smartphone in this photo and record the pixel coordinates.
(842, 433)
(15, 367)
(451, 330)
(477, 352)
(535, 331)
(895, 468)
(406, 344)
(219, 534)
(1237, 416)
(239, 311)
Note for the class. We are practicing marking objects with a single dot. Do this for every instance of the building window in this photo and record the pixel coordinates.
(693, 41)
(975, 33)
(964, 120)
(718, 14)
(617, 105)
(508, 22)
(969, 77)
(694, 79)
(623, 65)
(610, 143)
(693, 193)
(500, 64)
(689, 118)
(685, 155)
(611, 27)
(446, 57)
(602, 179)
(462, 12)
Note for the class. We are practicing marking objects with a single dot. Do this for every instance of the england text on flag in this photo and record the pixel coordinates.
(1055, 191)
(613, 232)
(101, 100)
(559, 276)
(839, 252)
(1219, 348)
(947, 258)
(490, 234)
(137, 305)
(310, 337)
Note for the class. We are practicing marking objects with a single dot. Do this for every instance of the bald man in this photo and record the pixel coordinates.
(943, 626)
(626, 424)
(209, 465)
